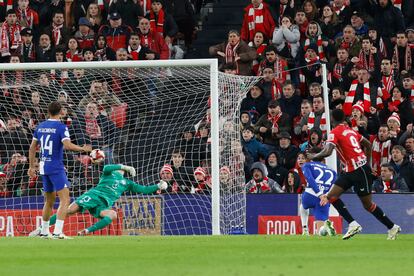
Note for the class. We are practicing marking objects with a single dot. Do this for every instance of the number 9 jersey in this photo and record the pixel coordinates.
(50, 135)
(349, 149)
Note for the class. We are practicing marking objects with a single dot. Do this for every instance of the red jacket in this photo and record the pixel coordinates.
(155, 42)
(268, 23)
(116, 38)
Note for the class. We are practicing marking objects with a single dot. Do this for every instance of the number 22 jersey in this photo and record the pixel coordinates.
(50, 135)
(347, 143)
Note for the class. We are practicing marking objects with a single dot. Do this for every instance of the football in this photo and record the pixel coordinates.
(97, 156)
(323, 231)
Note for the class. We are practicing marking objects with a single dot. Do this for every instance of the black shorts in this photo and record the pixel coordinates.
(360, 180)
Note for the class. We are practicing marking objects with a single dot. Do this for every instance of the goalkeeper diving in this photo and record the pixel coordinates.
(100, 199)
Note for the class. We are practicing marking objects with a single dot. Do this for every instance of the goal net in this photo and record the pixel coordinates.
(172, 120)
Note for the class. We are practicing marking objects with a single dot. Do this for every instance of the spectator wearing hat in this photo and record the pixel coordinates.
(359, 121)
(116, 33)
(257, 17)
(388, 183)
(379, 43)
(166, 174)
(10, 37)
(261, 183)
(129, 10)
(402, 166)
(27, 50)
(57, 31)
(410, 35)
(275, 171)
(271, 124)
(85, 35)
(202, 184)
(315, 40)
(290, 102)
(357, 22)
(27, 17)
(255, 103)
(249, 142)
(400, 104)
(394, 125)
(154, 41)
(403, 54)
(235, 50)
(162, 22)
(286, 151)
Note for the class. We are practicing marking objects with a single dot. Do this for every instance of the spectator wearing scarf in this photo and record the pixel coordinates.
(257, 17)
(261, 183)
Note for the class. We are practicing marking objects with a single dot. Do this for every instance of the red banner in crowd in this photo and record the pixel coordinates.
(22, 222)
(290, 225)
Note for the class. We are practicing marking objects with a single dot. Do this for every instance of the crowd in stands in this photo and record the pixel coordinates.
(368, 49)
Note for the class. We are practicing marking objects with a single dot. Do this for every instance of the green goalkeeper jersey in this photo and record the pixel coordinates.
(113, 184)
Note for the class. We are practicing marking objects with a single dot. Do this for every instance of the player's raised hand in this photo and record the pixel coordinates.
(87, 148)
(129, 169)
(31, 172)
(163, 185)
(324, 200)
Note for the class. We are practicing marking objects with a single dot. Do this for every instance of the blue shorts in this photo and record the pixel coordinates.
(55, 182)
(311, 201)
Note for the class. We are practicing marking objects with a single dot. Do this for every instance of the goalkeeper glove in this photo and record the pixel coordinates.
(129, 169)
(163, 185)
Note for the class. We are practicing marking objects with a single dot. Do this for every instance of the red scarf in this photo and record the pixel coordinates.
(393, 105)
(73, 57)
(255, 20)
(57, 33)
(338, 10)
(387, 84)
(102, 6)
(396, 58)
(28, 16)
(367, 63)
(145, 4)
(381, 153)
(157, 26)
(322, 122)
(262, 186)
(145, 40)
(387, 186)
(259, 52)
(92, 127)
(276, 89)
(134, 53)
(10, 37)
(337, 70)
(349, 100)
(398, 4)
(319, 41)
(274, 120)
(280, 67)
(231, 55)
(412, 94)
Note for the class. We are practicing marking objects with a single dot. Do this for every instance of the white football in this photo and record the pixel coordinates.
(97, 156)
(323, 231)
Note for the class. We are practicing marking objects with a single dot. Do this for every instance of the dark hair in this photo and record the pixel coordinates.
(270, 48)
(400, 148)
(319, 96)
(366, 37)
(178, 151)
(249, 128)
(338, 115)
(54, 108)
(388, 166)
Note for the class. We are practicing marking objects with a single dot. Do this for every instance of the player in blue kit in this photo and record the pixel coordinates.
(319, 178)
(52, 136)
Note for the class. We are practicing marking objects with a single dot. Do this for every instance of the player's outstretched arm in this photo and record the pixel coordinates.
(327, 151)
(137, 188)
(32, 158)
(108, 169)
(71, 146)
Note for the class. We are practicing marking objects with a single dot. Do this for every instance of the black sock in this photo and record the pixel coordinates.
(342, 210)
(379, 214)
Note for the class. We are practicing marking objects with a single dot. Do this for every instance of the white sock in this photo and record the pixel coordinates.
(354, 223)
(304, 216)
(58, 227)
(45, 228)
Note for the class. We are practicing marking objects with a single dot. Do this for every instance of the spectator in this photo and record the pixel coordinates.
(357, 22)
(409, 146)
(259, 44)
(102, 51)
(310, 9)
(290, 103)
(88, 54)
(388, 183)
(337, 72)
(166, 174)
(77, 85)
(154, 41)
(402, 167)
(359, 122)
(381, 148)
(281, 8)
(162, 22)
(255, 149)
(85, 35)
(255, 103)
(261, 183)
(138, 52)
(271, 87)
(14, 140)
(342, 11)
(257, 17)
(314, 141)
(73, 53)
(57, 30)
(129, 10)
(316, 118)
(279, 64)
(3, 186)
(10, 38)
(45, 52)
(300, 136)
(286, 151)
(38, 105)
(27, 50)
(12, 85)
(311, 69)
(237, 51)
(245, 120)
(388, 79)
(271, 124)
(94, 15)
(181, 173)
(27, 17)
(202, 184)
(116, 34)
(315, 89)
(225, 178)
(349, 41)
(286, 38)
(292, 183)
(388, 20)
(302, 22)
(403, 54)
(337, 99)
(276, 172)
(329, 23)
(368, 56)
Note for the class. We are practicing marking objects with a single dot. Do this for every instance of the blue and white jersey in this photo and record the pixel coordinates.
(319, 178)
(50, 135)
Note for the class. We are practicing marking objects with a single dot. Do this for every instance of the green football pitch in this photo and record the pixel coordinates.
(208, 255)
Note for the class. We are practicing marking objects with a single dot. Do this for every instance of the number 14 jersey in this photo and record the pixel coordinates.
(347, 143)
(50, 135)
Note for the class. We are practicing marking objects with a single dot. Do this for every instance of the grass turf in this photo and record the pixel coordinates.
(208, 255)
